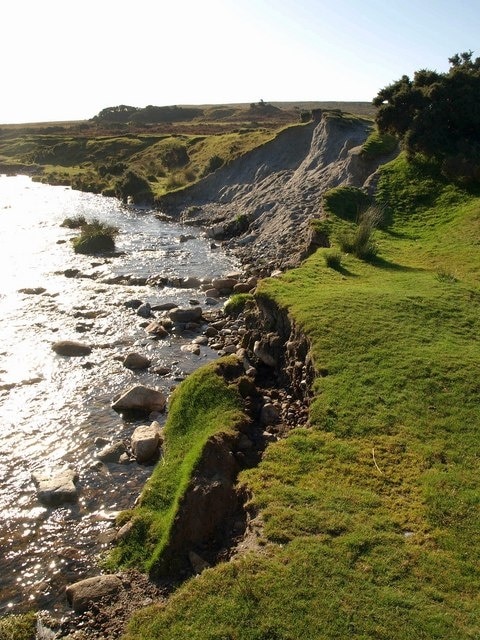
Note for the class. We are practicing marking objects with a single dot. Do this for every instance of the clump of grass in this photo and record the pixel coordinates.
(445, 275)
(74, 223)
(95, 237)
(360, 241)
(333, 260)
(237, 303)
(18, 627)
(379, 144)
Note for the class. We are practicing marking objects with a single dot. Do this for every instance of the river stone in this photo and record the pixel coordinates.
(191, 348)
(212, 293)
(224, 284)
(133, 304)
(57, 488)
(180, 315)
(136, 361)
(112, 452)
(71, 348)
(190, 283)
(33, 291)
(241, 287)
(157, 330)
(269, 414)
(81, 594)
(144, 310)
(140, 398)
(145, 442)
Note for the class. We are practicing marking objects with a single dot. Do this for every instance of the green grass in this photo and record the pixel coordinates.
(95, 237)
(379, 144)
(19, 627)
(371, 515)
(203, 406)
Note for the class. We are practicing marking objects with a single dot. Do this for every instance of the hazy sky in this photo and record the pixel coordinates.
(66, 60)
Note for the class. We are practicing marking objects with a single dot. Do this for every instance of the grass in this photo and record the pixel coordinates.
(95, 237)
(371, 515)
(203, 406)
(18, 627)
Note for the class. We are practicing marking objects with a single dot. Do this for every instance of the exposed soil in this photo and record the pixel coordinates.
(261, 205)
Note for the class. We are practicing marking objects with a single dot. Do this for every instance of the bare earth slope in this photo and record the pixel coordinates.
(261, 204)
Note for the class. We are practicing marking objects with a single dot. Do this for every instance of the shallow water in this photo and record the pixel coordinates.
(52, 408)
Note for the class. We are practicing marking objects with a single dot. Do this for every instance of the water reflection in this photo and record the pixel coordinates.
(53, 408)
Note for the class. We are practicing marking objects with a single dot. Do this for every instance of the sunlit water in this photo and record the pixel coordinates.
(52, 408)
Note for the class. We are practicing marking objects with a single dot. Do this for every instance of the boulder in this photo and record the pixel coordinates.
(112, 452)
(224, 284)
(191, 348)
(81, 594)
(140, 398)
(144, 310)
(157, 330)
(33, 291)
(241, 287)
(136, 361)
(71, 348)
(146, 442)
(190, 283)
(183, 316)
(269, 414)
(57, 488)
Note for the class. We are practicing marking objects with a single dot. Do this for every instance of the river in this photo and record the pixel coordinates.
(52, 408)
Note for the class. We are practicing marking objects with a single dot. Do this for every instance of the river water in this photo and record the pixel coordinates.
(52, 408)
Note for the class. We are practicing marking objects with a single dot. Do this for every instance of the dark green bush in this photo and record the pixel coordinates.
(95, 237)
(134, 186)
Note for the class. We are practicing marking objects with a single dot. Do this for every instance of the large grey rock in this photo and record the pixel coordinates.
(57, 488)
(136, 361)
(140, 398)
(146, 442)
(180, 315)
(81, 594)
(71, 348)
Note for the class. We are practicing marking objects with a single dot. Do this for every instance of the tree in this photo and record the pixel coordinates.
(437, 115)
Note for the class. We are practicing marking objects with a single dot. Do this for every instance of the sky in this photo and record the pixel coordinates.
(67, 60)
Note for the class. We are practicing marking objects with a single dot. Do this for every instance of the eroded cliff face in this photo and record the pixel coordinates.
(261, 205)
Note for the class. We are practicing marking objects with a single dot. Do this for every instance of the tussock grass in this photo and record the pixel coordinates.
(201, 407)
(18, 627)
(371, 516)
(95, 237)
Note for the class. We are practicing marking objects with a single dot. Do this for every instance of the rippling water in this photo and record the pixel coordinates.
(52, 408)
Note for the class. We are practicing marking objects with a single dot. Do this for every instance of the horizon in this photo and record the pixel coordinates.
(63, 68)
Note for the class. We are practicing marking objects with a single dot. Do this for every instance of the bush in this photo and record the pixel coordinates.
(95, 237)
(134, 186)
(333, 260)
(360, 241)
(74, 223)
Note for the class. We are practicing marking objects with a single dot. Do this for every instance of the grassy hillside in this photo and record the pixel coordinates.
(371, 516)
(94, 155)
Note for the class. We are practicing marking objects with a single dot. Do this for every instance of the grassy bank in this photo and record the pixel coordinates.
(372, 514)
(202, 407)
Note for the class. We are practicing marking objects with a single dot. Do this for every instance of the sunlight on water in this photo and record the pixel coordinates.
(52, 408)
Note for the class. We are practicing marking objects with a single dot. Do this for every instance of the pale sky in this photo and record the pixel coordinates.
(67, 60)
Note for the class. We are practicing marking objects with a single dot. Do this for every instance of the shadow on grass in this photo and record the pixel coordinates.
(381, 263)
(344, 272)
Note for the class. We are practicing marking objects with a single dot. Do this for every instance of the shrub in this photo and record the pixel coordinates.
(333, 260)
(360, 241)
(95, 237)
(134, 186)
(74, 223)
(214, 163)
